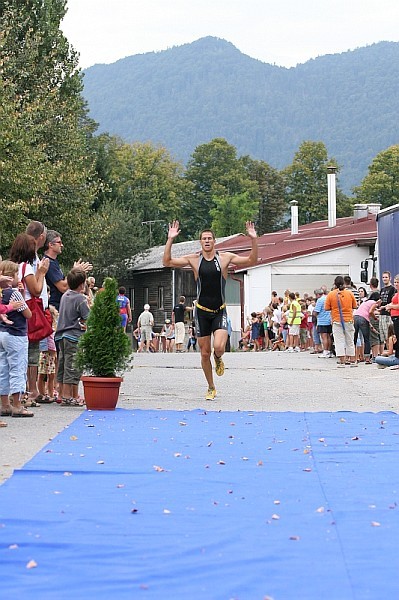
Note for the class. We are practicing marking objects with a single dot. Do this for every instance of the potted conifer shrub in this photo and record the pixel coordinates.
(104, 351)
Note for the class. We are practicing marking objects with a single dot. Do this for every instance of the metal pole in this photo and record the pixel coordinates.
(150, 224)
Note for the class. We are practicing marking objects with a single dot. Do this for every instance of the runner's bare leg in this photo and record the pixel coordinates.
(219, 342)
(206, 350)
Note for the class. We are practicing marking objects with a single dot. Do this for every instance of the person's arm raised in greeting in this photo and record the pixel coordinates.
(252, 258)
(181, 261)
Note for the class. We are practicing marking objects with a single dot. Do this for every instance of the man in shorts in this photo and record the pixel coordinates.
(324, 324)
(178, 322)
(210, 272)
(145, 323)
(294, 323)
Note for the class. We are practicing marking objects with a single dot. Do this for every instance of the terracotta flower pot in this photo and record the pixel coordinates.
(101, 393)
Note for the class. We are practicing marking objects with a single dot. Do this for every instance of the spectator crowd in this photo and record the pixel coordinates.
(346, 322)
(350, 324)
(42, 316)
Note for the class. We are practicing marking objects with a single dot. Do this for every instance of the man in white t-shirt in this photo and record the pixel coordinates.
(39, 231)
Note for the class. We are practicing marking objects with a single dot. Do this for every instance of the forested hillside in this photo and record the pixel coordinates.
(188, 95)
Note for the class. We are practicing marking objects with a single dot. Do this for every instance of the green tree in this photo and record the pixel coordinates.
(381, 184)
(272, 204)
(21, 166)
(231, 212)
(104, 148)
(143, 179)
(104, 350)
(214, 171)
(306, 182)
(116, 236)
(158, 187)
(50, 175)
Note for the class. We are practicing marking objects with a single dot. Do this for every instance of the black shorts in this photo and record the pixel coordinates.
(207, 323)
(324, 329)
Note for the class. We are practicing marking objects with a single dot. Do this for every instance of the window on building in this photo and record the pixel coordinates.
(232, 291)
(160, 298)
(146, 295)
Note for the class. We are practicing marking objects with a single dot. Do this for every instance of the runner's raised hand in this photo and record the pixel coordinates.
(250, 227)
(174, 230)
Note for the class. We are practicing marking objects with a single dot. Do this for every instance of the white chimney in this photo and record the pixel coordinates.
(332, 196)
(294, 217)
(360, 211)
(374, 207)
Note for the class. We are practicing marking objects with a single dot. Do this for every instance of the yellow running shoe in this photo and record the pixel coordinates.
(219, 365)
(211, 394)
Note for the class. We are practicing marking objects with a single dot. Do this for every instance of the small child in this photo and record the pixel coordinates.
(137, 337)
(168, 330)
(13, 346)
(72, 317)
(303, 328)
(151, 347)
(310, 304)
(278, 343)
(6, 282)
(270, 334)
(255, 329)
(284, 325)
(48, 365)
(243, 343)
(192, 337)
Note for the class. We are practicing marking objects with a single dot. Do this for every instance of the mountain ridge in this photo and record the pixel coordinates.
(190, 94)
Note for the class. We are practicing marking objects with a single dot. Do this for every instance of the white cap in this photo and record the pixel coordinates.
(146, 307)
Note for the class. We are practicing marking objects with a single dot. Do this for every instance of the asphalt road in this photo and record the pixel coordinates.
(264, 381)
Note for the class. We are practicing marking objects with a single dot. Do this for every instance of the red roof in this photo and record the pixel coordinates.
(310, 239)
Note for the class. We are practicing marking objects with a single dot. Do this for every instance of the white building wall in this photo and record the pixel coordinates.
(301, 274)
(257, 289)
(305, 274)
(259, 281)
(341, 260)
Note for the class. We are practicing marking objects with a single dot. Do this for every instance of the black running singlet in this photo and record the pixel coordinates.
(210, 283)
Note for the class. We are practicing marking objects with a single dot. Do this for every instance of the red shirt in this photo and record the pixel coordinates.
(395, 300)
(304, 322)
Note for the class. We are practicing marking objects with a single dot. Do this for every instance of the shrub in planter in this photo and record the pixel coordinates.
(104, 351)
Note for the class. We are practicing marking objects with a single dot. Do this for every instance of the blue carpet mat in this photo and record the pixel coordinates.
(196, 505)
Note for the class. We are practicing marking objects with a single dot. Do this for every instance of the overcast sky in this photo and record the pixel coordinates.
(284, 32)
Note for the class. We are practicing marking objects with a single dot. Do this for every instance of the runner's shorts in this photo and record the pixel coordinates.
(207, 323)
